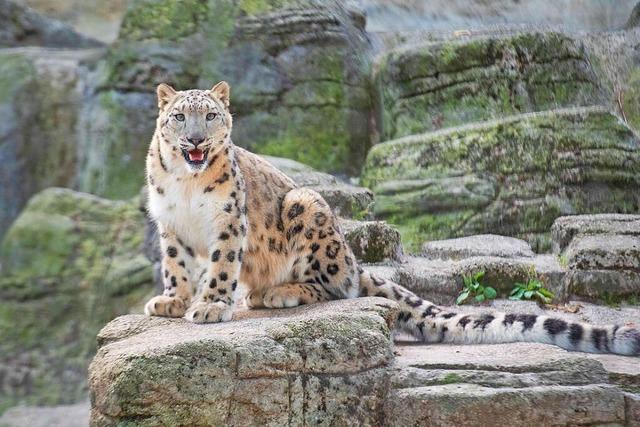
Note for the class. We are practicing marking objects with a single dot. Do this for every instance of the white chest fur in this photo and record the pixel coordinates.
(187, 211)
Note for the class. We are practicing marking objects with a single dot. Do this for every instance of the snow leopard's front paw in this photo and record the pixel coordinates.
(209, 312)
(165, 306)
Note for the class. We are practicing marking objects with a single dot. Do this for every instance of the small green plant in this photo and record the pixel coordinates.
(563, 260)
(473, 287)
(533, 289)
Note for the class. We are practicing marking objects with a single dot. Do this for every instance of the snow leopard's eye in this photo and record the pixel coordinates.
(179, 117)
(211, 116)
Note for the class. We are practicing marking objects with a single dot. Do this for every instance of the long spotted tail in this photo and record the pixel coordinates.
(434, 324)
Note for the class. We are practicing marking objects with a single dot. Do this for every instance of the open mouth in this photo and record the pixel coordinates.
(195, 157)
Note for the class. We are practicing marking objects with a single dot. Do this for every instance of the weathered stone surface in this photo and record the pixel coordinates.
(441, 281)
(517, 365)
(610, 286)
(298, 89)
(95, 18)
(324, 363)
(633, 409)
(604, 252)
(634, 18)
(468, 405)
(40, 99)
(512, 177)
(70, 263)
(372, 241)
(565, 228)
(348, 201)
(525, 384)
(479, 245)
(426, 87)
(22, 26)
(114, 132)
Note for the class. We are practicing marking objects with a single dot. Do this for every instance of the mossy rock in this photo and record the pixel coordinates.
(70, 263)
(439, 85)
(631, 98)
(115, 131)
(510, 177)
(295, 93)
(40, 103)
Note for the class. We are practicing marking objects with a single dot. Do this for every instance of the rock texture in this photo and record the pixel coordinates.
(22, 26)
(321, 364)
(40, 99)
(335, 364)
(298, 91)
(69, 263)
(602, 253)
(372, 241)
(76, 415)
(513, 176)
(426, 87)
(479, 245)
(596, 259)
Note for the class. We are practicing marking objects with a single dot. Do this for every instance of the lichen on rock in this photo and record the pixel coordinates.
(70, 262)
(512, 176)
(444, 84)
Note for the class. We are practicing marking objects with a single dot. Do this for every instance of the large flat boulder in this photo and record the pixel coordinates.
(441, 281)
(69, 263)
(512, 177)
(566, 228)
(320, 364)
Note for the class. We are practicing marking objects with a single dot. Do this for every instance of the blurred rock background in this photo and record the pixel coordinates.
(445, 118)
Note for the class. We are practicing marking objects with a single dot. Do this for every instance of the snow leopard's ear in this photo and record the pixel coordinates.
(165, 94)
(221, 91)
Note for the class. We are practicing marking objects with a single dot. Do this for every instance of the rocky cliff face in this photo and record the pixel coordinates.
(298, 70)
(513, 176)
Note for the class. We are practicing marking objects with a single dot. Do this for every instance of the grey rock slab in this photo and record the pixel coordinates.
(498, 365)
(372, 241)
(440, 281)
(475, 405)
(478, 245)
(633, 409)
(23, 26)
(604, 251)
(565, 228)
(608, 285)
(322, 362)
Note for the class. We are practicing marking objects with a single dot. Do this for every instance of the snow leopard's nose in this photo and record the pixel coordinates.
(195, 140)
